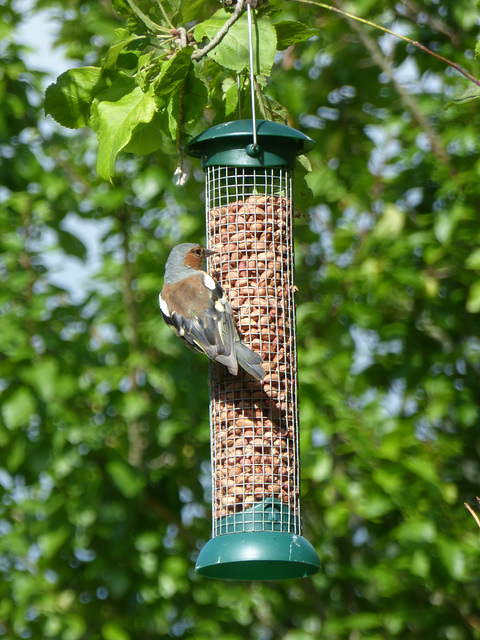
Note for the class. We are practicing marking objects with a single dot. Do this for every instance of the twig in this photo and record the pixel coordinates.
(198, 55)
(412, 11)
(165, 15)
(407, 98)
(180, 171)
(260, 100)
(396, 35)
(144, 18)
(475, 517)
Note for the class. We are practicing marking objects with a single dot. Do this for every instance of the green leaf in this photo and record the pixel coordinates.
(302, 194)
(69, 99)
(230, 96)
(146, 138)
(233, 51)
(72, 245)
(452, 558)
(277, 112)
(121, 39)
(18, 408)
(322, 468)
(173, 73)
(16, 455)
(473, 301)
(112, 631)
(390, 224)
(117, 90)
(43, 377)
(122, 7)
(444, 226)
(141, 9)
(473, 260)
(471, 93)
(362, 621)
(194, 100)
(190, 10)
(116, 122)
(374, 506)
(51, 541)
(416, 531)
(125, 477)
(289, 31)
(420, 564)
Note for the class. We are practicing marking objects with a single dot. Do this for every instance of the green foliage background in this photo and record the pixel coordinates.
(104, 425)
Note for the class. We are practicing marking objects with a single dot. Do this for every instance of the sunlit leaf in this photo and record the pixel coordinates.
(173, 73)
(147, 138)
(116, 123)
(190, 10)
(288, 32)
(453, 558)
(112, 631)
(472, 92)
(17, 409)
(121, 39)
(68, 100)
(233, 51)
(126, 478)
(473, 301)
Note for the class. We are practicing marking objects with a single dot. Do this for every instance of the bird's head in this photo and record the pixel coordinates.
(186, 256)
(195, 256)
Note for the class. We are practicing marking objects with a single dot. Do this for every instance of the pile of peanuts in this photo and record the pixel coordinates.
(254, 424)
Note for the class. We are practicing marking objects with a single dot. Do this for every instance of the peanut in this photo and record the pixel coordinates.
(253, 423)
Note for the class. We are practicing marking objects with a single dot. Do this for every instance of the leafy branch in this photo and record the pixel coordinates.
(414, 43)
(157, 79)
(214, 42)
(155, 82)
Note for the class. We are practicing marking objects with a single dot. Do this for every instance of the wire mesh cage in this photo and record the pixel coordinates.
(254, 425)
(256, 512)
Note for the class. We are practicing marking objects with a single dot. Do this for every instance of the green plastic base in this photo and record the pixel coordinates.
(259, 555)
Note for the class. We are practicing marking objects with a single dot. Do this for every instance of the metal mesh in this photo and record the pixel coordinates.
(254, 425)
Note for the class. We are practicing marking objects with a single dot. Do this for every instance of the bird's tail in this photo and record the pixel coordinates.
(249, 360)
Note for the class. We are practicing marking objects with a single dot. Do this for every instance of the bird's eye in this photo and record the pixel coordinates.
(198, 252)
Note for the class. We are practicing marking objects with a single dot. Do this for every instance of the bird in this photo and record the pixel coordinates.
(195, 306)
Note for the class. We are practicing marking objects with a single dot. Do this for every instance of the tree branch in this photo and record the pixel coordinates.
(409, 100)
(416, 44)
(135, 441)
(180, 172)
(198, 55)
(411, 12)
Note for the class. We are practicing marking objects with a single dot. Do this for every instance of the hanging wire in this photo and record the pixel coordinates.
(252, 75)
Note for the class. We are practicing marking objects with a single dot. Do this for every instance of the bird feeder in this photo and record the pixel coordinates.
(257, 527)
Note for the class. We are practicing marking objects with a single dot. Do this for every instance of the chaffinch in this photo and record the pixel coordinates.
(197, 309)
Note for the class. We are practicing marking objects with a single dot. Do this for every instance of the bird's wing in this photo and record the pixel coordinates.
(199, 313)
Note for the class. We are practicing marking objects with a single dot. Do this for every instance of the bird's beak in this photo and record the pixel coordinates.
(209, 252)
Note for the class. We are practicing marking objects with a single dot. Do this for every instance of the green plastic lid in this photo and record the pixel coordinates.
(231, 144)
